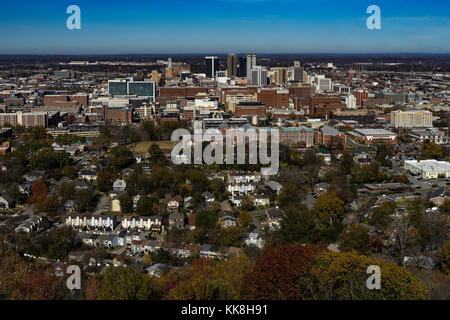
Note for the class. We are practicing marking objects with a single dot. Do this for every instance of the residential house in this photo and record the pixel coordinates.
(88, 175)
(176, 220)
(209, 251)
(157, 270)
(274, 216)
(254, 239)
(209, 197)
(274, 187)
(438, 196)
(107, 241)
(227, 219)
(34, 176)
(6, 202)
(173, 206)
(119, 185)
(29, 225)
(260, 200)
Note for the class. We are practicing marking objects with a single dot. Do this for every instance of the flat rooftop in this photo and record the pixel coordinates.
(429, 165)
(368, 132)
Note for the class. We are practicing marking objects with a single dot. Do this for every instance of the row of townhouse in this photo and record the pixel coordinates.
(259, 200)
(241, 188)
(152, 223)
(244, 177)
(181, 250)
(91, 222)
(111, 240)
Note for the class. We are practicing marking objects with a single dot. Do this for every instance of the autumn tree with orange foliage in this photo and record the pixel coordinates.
(282, 273)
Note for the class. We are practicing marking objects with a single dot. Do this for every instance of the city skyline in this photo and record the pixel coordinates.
(260, 26)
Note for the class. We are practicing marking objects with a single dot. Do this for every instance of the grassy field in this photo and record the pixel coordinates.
(142, 147)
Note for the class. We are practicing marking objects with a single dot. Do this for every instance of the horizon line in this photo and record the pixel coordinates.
(225, 53)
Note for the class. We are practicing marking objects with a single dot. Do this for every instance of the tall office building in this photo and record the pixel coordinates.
(280, 76)
(142, 89)
(259, 76)
(118, 87)
(412, 119)
(298, 72)
(243, 67)
(251, 63)
(232, 65)
(212, 66)
(125, 87)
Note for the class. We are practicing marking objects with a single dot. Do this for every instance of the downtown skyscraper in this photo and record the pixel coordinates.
(232, 65)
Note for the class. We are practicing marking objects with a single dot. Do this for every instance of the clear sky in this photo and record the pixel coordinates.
(221, 26)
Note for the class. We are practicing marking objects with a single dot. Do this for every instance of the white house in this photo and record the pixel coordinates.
(119, 185)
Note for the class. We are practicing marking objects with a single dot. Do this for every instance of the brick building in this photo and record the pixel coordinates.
(66, 100)
(274, 97)
(250, 109)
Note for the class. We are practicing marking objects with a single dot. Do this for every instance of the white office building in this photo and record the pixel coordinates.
(429, 169)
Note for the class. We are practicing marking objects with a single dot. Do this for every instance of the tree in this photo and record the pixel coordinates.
(381, 215)
(342, 276)
(355, 237)
(206, 219)
(244, 219)
(13, 269)
(69, 172)
(127, 284)
(92, 288)
(290, 195)
(247, 204)
(431, 151)
(104, 182)
(297, 226)
(444, 257)
(156, 156)
(282, 273)
(38, 188)
(208, 280)
(122, 157)
(198, 288)
(145, 206)
(405, 235)
(329, 208)
(50, 205)
(86, 200)
(126, 203)
(231, 237)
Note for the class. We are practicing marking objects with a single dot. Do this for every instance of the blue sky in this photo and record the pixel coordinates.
(221, 26)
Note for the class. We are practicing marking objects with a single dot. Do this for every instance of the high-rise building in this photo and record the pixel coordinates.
(243, 67)
(155, 76)
(141, 88)
(298, 72)
(259, 76)
(118, 87)
(280, 76)
(212, 66)
(412, 119)
(251, 63)
(232, 65)
(124, 87)
(361, 95)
